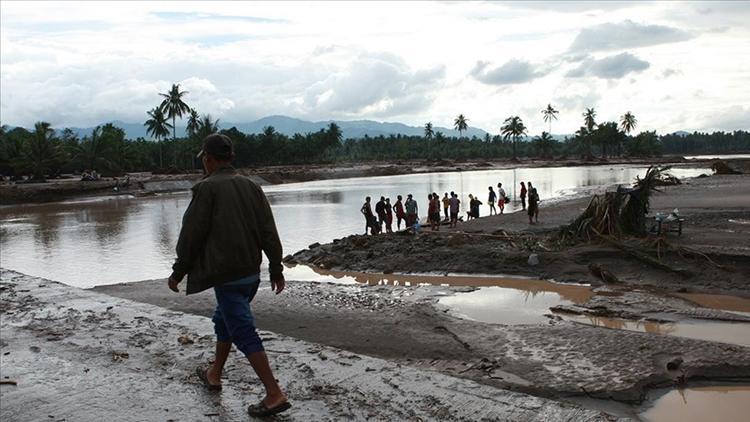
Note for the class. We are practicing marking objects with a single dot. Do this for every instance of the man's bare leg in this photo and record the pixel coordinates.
(274, 395)
(222, 353)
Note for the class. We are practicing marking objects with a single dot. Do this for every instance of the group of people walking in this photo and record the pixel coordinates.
(406, 211)
(502, 198)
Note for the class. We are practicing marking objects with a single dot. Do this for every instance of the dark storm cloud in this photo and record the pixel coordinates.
(511, 72)
(612, 67)
(626, 34)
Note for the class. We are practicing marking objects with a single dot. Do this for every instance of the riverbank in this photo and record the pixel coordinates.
(711, 255)
(71, 354)
(146, 184)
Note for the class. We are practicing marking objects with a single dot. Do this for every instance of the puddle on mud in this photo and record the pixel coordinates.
(518, 300)
(506, 300)
(721, 331)
(699, 404)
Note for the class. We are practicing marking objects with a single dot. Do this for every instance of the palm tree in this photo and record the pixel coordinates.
(588, 120)
(42, 153)
(174, 106)
(460, 124)
(544, 144)
(192, 123)
(92, 151)
(513, 128)
(206, 126)
(158, 127)
(428, 132)
(550, 114)
(333, 135)
(628, 122)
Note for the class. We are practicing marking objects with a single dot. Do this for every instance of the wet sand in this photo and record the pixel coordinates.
(70, 354)
(552, 358)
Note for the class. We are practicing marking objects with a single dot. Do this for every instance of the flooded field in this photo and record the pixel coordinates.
(119, 239)
(700, 404)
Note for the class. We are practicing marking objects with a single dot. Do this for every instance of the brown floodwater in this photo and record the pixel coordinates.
(89, 242)
(701, 404)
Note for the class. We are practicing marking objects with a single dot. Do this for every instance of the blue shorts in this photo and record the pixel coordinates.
(233, 320)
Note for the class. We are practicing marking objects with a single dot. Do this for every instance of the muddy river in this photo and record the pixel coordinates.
(119, 239)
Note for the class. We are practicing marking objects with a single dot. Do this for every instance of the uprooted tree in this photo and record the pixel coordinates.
(619, 213)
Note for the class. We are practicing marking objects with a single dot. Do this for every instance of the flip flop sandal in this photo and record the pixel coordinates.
(202, 375)
(260, 409)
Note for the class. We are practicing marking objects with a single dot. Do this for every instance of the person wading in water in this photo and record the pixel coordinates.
(226, 226)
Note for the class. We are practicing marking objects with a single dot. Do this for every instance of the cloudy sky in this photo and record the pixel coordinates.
(676, 66)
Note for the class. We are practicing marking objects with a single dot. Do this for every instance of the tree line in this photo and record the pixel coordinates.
(43, 152)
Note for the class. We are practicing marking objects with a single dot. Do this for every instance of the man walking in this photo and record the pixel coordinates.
(226, 226)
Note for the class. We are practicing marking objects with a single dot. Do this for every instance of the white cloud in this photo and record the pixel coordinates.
(626, 35)
(83, 63)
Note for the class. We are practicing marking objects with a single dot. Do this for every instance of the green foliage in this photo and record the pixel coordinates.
(544, 145)
(513, 128)
(645, 144)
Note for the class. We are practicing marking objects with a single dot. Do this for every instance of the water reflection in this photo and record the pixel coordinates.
(699, 404)
(119, 239)
(724, 332)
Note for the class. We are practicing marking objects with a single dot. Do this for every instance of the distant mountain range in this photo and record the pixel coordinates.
(290, 126)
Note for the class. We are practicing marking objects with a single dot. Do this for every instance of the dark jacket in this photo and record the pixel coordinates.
(224, 229)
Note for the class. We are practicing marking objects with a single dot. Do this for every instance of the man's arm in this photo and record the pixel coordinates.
(270, 243)
(195, 226)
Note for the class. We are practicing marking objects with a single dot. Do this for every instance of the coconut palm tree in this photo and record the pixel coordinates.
(206, 126)
(158, 127)
(174, 106)
(42, 153)
(460, 124)
(192, 123)
(550, 114)
(513, 128)
(628, 122)
(589, 120)
(428, 132)
(544, 144)
(92, 151)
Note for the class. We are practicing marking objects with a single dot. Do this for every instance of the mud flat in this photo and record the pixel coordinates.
(70, 354)
(545, 356)
(715, 209)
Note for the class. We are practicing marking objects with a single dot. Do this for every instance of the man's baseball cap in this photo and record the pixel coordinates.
(218, 145)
